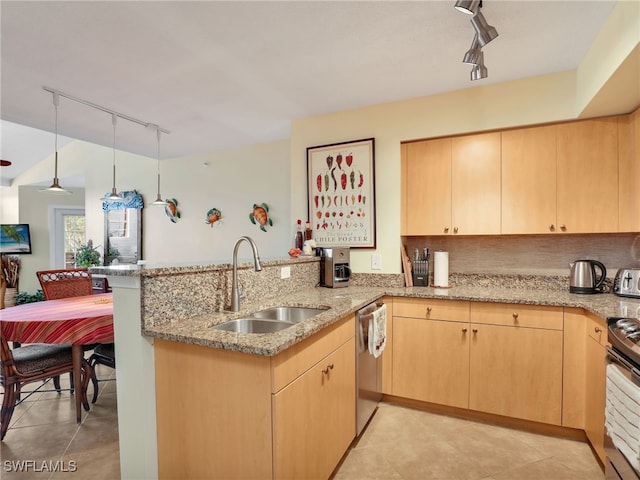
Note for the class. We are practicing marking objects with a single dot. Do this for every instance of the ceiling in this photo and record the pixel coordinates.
(222, 74)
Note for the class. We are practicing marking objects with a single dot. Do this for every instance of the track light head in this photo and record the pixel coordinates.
(484, 31)
(470, 7)
(479, 71)
(472, 56)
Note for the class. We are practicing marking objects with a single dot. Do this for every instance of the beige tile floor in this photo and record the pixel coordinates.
(406, 444)
(399, 443)
(43, 436)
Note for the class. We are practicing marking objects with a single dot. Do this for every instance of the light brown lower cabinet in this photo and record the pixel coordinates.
(502, 359)
(431, 361)
(516, 372)
(224, 414)
(595, 384)
(314, 418)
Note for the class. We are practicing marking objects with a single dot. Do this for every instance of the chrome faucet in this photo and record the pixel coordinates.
(235, 294)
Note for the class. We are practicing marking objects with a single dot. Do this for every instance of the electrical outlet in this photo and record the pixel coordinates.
(376, 261)
(285, 272)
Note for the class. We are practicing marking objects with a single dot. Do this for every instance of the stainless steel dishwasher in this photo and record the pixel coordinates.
(368, 369)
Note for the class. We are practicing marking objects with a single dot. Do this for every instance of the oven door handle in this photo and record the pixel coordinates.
(626, 364)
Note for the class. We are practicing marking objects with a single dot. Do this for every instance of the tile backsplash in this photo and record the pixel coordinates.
(531, 254)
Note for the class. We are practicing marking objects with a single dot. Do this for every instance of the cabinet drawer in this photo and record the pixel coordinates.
(454, 310)
(293, 362)
(517, 315)
(596, 328)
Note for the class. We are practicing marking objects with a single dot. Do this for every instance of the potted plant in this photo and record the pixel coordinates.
(87, 256)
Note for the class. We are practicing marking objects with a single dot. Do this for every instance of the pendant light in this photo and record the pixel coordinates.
(55, 187)
(158, 201)
(113, 196)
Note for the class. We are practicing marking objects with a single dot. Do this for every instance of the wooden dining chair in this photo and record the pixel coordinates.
(31, 363)
(63, 283)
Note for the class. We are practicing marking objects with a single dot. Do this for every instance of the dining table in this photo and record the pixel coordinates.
(82, 320)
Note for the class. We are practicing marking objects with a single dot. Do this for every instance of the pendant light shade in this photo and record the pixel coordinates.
(484, 31)
(113, 196)
(472, 57)
(470, 7)
(158, 201)
(479, 71)
(55, 187)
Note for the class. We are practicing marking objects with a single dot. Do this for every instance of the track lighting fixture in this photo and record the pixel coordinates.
(159, 201)
(55, 187)
(484, 33)
(113, 196)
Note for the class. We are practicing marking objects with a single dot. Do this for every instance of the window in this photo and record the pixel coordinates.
(67, 234)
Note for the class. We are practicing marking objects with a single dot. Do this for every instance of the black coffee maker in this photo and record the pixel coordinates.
(334, 267)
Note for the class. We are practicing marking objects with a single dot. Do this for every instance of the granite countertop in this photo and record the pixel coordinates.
(341, 302)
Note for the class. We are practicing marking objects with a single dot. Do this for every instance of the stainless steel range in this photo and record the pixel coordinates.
(622, 437)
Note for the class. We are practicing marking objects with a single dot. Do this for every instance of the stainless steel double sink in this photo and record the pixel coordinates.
(270, 320)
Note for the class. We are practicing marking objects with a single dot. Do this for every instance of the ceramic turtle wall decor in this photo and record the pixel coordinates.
(171, 209)
(214, 215)
(260, 216)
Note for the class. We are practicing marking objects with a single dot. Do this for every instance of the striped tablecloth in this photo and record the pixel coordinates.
(76, 320)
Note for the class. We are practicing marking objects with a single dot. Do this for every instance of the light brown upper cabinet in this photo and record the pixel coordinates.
(587, 175)
(452, 186)
(629, 173)
(428, 187)
(475, 184)
(529, 180)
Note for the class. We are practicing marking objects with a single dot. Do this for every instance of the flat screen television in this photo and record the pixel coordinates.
(15, 239)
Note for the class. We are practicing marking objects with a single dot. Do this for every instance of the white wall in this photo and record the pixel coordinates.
(232, 181)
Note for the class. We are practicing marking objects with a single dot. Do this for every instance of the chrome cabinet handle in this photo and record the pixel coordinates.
(429, 311)
(455, 229)
(464, 330)
(475, 330)
(563, 226)
(515, 316)
(552, 227)
(446, 229)
(327, 368)
(597, 329)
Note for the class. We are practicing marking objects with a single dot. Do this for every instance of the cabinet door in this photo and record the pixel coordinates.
(475, 184)
(594, 405)
(629, 164)
(588, 176)
(428, 187)
(529, 180)
(431, 361)
(516, 372)
(315, 417)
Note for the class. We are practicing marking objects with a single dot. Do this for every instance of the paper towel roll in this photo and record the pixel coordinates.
(441, 269)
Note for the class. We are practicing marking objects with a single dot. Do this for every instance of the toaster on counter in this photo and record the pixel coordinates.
(627, 282)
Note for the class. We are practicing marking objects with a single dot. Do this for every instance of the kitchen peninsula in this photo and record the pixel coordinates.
(175, 306)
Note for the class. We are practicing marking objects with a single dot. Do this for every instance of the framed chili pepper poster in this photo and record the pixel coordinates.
(341, 194)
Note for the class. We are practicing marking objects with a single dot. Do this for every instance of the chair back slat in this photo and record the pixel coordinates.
(65, 283)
